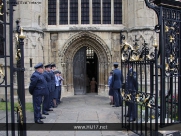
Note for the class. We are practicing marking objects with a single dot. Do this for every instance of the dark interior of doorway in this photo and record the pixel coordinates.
(91, 68)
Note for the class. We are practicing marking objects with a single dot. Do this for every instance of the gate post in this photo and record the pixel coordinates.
(169, 24)
(21, 111)
(11, 10)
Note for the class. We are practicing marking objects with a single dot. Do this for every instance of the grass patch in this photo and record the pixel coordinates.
(29, 106)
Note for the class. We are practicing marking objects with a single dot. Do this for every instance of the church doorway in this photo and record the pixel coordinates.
(85, 67)
(91, 69)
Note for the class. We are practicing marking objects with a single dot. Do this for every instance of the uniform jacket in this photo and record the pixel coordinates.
(109, 80)
(117, 79)
(131, 81)
(38, 84)
(47, 77)
(51, 73)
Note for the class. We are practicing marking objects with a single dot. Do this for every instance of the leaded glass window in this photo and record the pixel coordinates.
(63, 12)
(96, 4)
(89, 53)
(117, 11)
(106, 11)
(51, 12)
(73, 11)
(84, 11)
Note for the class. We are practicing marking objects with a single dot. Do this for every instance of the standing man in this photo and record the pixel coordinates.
(116, 84)
(132, 88)
(53, 67)
(37, 88)
(46, 100)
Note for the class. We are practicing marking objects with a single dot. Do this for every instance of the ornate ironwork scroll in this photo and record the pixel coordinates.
(136, 52)
(2, 75)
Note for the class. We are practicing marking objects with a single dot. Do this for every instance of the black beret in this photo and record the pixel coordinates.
(53, 65)
(115, 64)
(48, 65)
(39, 65)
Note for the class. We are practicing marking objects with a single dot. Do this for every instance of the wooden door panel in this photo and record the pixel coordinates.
(79, 71)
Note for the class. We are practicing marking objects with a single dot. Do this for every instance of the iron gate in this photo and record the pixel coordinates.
(157, 101)
(14, 125)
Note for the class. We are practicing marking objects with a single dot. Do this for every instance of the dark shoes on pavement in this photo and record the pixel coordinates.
(55, 106)
(131, 120)
(45, 113)
(42, 117)
(39, 121)
(126, 115)
(115, 106)
(50, 110)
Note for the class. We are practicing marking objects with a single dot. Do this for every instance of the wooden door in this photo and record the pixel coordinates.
(79, 71)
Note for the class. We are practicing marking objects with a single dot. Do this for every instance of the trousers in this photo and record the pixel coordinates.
(117, 98)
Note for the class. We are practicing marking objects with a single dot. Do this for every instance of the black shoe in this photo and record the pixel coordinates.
(42, 117)
(131, 120)
(55, 106)
(50, 110)
(45, 113)
(115, 106)
(39, 121)
(126, 115)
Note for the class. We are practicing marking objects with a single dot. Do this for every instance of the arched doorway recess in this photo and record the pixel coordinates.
(75, 43)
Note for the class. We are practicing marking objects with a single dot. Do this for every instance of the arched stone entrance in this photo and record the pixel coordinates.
(71, 47)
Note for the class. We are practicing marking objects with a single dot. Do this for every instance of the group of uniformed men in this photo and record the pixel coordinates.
(115, 83)
(45, 88)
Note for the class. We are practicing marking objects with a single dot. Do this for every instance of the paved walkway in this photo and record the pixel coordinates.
(89, 108)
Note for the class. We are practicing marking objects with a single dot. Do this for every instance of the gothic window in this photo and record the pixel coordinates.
(63, 12)
(117, 11)
(106, 11)
(69, 12)
(73, 11)
(51, 12)
(96, 4)
(85, 11)
(89, 53)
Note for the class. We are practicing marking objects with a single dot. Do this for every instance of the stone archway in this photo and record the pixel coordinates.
(70, 48)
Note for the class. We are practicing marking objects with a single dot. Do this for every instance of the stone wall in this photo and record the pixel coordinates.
(46, 44)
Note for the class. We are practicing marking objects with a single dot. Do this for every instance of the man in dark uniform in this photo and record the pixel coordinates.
(37, 88)
(53, 68)
(46, 99)
(132, 88)
(116, 84)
